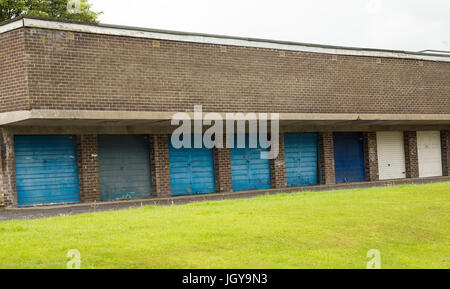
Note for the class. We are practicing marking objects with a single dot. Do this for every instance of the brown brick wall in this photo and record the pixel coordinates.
(103, 72)
(326, 158)
(445, 137)
(8, 172)
(87, 146)
(371, 156)
(160, 166)
(13, 73)
(222, 170)
(278, 167)
(411, 155)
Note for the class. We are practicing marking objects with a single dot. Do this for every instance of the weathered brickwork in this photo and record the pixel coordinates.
(13, 72)
(8, 171)
(411, 155)
(371, 156)
(103, 72)
(2, 193)
(222, 170)
(51, 69)
(88, 169)
(326, 158)
(278, 167)
(160, 166)
(445, 137)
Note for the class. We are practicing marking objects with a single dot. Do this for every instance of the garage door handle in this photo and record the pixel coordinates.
(45, 161)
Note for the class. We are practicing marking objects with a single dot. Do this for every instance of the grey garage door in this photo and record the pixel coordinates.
(124, 162)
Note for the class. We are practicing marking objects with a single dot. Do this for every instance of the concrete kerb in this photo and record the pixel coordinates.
(80, 208)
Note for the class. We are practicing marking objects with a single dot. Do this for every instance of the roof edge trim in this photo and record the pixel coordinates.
(11, 25)
(115, 30)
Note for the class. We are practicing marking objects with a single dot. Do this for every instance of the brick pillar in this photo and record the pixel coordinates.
(326, 157)
(411, 158)
(371, 156)
(88, 169)
(160, 166)
(445, 138)
(278, 167)
(222, 170)
(2, 195)
(8, 169)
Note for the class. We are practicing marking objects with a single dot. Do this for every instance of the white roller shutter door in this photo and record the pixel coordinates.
(429, 153)
(391, 155)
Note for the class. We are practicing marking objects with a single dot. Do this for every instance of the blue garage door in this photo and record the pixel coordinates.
(248, 170)
(349, 157)
(301, 159)
(191, 170)
(124, 162)
(46, 170)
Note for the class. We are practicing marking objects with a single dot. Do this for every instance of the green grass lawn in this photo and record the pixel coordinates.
(409, 225)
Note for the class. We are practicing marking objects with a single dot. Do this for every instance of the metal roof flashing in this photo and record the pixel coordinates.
(108, 29)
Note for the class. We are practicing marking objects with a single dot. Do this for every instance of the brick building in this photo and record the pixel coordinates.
(86, 112)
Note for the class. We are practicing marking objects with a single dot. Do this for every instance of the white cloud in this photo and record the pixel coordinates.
(401, 24)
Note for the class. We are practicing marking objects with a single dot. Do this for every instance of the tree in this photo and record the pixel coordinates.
(79, 10)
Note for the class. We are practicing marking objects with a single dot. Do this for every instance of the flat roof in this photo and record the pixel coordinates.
(109, 29)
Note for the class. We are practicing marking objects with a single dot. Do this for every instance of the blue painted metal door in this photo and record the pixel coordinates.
(349, 157)
(124, 164)
(46, 169)
(248, 170)
(191, 170)
(301, 159)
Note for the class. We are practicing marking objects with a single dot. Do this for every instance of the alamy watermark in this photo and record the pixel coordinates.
(75, 261)
(74, 6)
(375, 259)
(248, 130)
(374, 6)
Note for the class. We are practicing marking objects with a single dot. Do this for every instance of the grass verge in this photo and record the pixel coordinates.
(408, 224)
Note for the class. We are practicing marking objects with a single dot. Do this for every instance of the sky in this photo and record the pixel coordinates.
(409, 25)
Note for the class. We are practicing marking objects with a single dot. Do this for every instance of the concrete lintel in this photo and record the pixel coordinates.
(14, 116)
(146, 129)
(17, 116)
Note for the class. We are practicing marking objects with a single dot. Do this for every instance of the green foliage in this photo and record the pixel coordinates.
(48, 8)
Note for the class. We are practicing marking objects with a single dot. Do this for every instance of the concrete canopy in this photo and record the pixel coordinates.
(160, 122)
